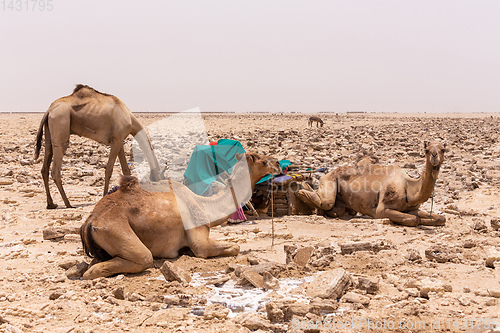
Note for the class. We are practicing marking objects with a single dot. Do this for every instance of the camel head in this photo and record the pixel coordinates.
(434, 153)
(259, 165)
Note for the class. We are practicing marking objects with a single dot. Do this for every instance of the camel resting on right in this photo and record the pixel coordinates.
(381, 191)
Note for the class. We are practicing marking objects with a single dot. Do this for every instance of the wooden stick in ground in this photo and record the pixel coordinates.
(272, 211)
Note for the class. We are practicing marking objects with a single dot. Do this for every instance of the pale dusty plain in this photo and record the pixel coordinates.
(36, 295)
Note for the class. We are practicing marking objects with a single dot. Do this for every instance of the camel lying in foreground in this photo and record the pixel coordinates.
(94, 115)
(381, 191)
(129, 227)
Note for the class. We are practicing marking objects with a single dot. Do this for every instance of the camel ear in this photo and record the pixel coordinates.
(239, 156)
(251, 158)
(445, 149)
(426, 144)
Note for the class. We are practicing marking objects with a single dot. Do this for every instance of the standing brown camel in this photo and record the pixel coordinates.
(315, 119)
(381, 191)
(94, 115)
(128, 228)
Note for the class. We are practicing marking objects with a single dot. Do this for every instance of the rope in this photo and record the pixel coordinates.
(272, 211)
(432, 196)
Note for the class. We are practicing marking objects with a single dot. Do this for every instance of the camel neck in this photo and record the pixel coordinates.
(221, 206)
(422, 188)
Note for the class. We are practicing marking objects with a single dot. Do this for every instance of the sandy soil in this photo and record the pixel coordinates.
(462, 293)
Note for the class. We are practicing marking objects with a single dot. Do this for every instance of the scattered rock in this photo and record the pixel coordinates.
(77, 271)
(464, 301)
(134, 297)
(331, 284)
(253, 260)
(413, 255)
(352, 297)
(219, 281)
(370, 285)
(430, 285)
(254, 321)
(218, 311)
(59, 232)
(68, 263)
(270, 282)
(254, 278)
(376, 246)
(274, 313)
(8, 328)
(2, 319)
(494, 293)
(440, 254)
(469, 243)
(271, 267)
(173, 273)
(492, 255)
(348, 248)
(119, 293)
(300, 310)
(165, 317)
(181, 299)
(72, 238)
(478, 224)
(298, 255)
(495, 223)
(325, 305)
(56, 294)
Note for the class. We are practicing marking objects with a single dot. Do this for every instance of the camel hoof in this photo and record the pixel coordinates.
(51, 206)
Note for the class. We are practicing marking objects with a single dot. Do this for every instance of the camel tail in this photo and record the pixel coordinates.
(39, 135)
(89, 245)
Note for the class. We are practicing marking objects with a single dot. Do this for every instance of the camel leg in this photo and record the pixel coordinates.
(338, 210)
(59, 128)
(135, 257)
(114, 266)
(56, 172)
(47, 160)
(204, 247)
(145, 145)
(323, 198)
(315, 200)
(398, 217)
(115, 149)
(123, 162)
(425, 218)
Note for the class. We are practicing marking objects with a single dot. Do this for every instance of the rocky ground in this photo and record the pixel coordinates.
(321, 275)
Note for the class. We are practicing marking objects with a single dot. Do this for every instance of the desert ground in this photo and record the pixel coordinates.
(402, 279)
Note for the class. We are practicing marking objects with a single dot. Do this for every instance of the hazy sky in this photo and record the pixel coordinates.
(256, 55)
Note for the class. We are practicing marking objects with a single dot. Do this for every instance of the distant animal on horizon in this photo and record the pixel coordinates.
(315, 119)
(98, 116)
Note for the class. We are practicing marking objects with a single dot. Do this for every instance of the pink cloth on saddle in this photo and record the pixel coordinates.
(239, 215)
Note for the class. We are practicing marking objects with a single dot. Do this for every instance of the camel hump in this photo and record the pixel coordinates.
(127, 183)
(84, 91)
